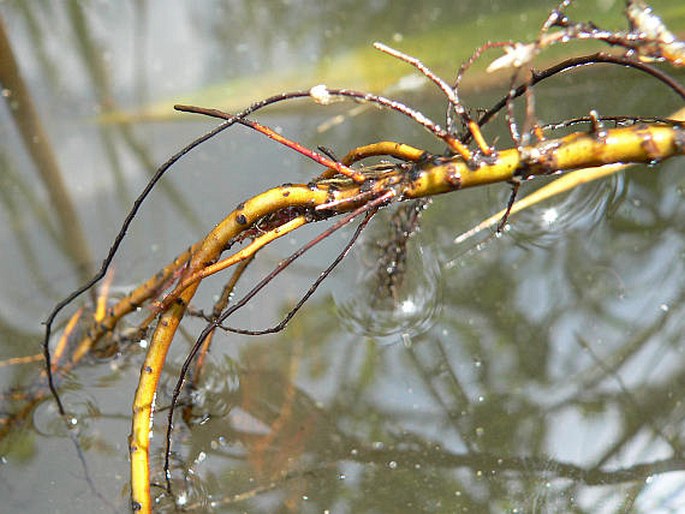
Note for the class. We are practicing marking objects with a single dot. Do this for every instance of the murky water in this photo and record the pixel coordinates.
(539, 371)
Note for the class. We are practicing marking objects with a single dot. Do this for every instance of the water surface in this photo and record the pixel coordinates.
(539, 371)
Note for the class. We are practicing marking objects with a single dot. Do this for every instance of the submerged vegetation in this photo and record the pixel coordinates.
(357, 187)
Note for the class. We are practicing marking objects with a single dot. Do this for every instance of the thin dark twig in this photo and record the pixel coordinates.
(449, 120)
(576, 62)
(450, 92)
(369, 208)
(319, 158)
(617, 120)
(229, 121)
(515, 185)
(360, 96)
(413, 114)
(219, 306)
(312, 289)
(129, 219)
(86, 470)
(509, 114)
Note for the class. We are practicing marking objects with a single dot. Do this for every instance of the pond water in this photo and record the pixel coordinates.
(538, 371)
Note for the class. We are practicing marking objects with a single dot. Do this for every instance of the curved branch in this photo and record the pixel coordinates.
(576, 62)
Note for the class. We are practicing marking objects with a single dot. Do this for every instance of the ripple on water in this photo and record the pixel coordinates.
(368, 308)
(580, 209)
(80, 408)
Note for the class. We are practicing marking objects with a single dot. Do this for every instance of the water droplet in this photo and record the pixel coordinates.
(663, 307)
(392, 464)
(182, 498)
(549, 216)
(406, 340)
(48, 422)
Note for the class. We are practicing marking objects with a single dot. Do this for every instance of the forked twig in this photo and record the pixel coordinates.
(369, 209)
(453, 99)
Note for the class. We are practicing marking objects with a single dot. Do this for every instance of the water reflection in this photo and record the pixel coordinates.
(544, 372)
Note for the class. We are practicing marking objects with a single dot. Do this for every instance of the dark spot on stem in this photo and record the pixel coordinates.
(453, 176)
(241, 219)
(649, 145)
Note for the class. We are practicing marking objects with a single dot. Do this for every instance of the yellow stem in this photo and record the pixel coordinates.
(640, 143)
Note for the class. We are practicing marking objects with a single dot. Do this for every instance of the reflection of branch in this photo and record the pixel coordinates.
(334, 446)
(16, 207)
(639, 412)
(260, 489)
(459, 396)
(37, 144)
(487, 462)
(575, 62)
(430, 456)
(87, 49)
